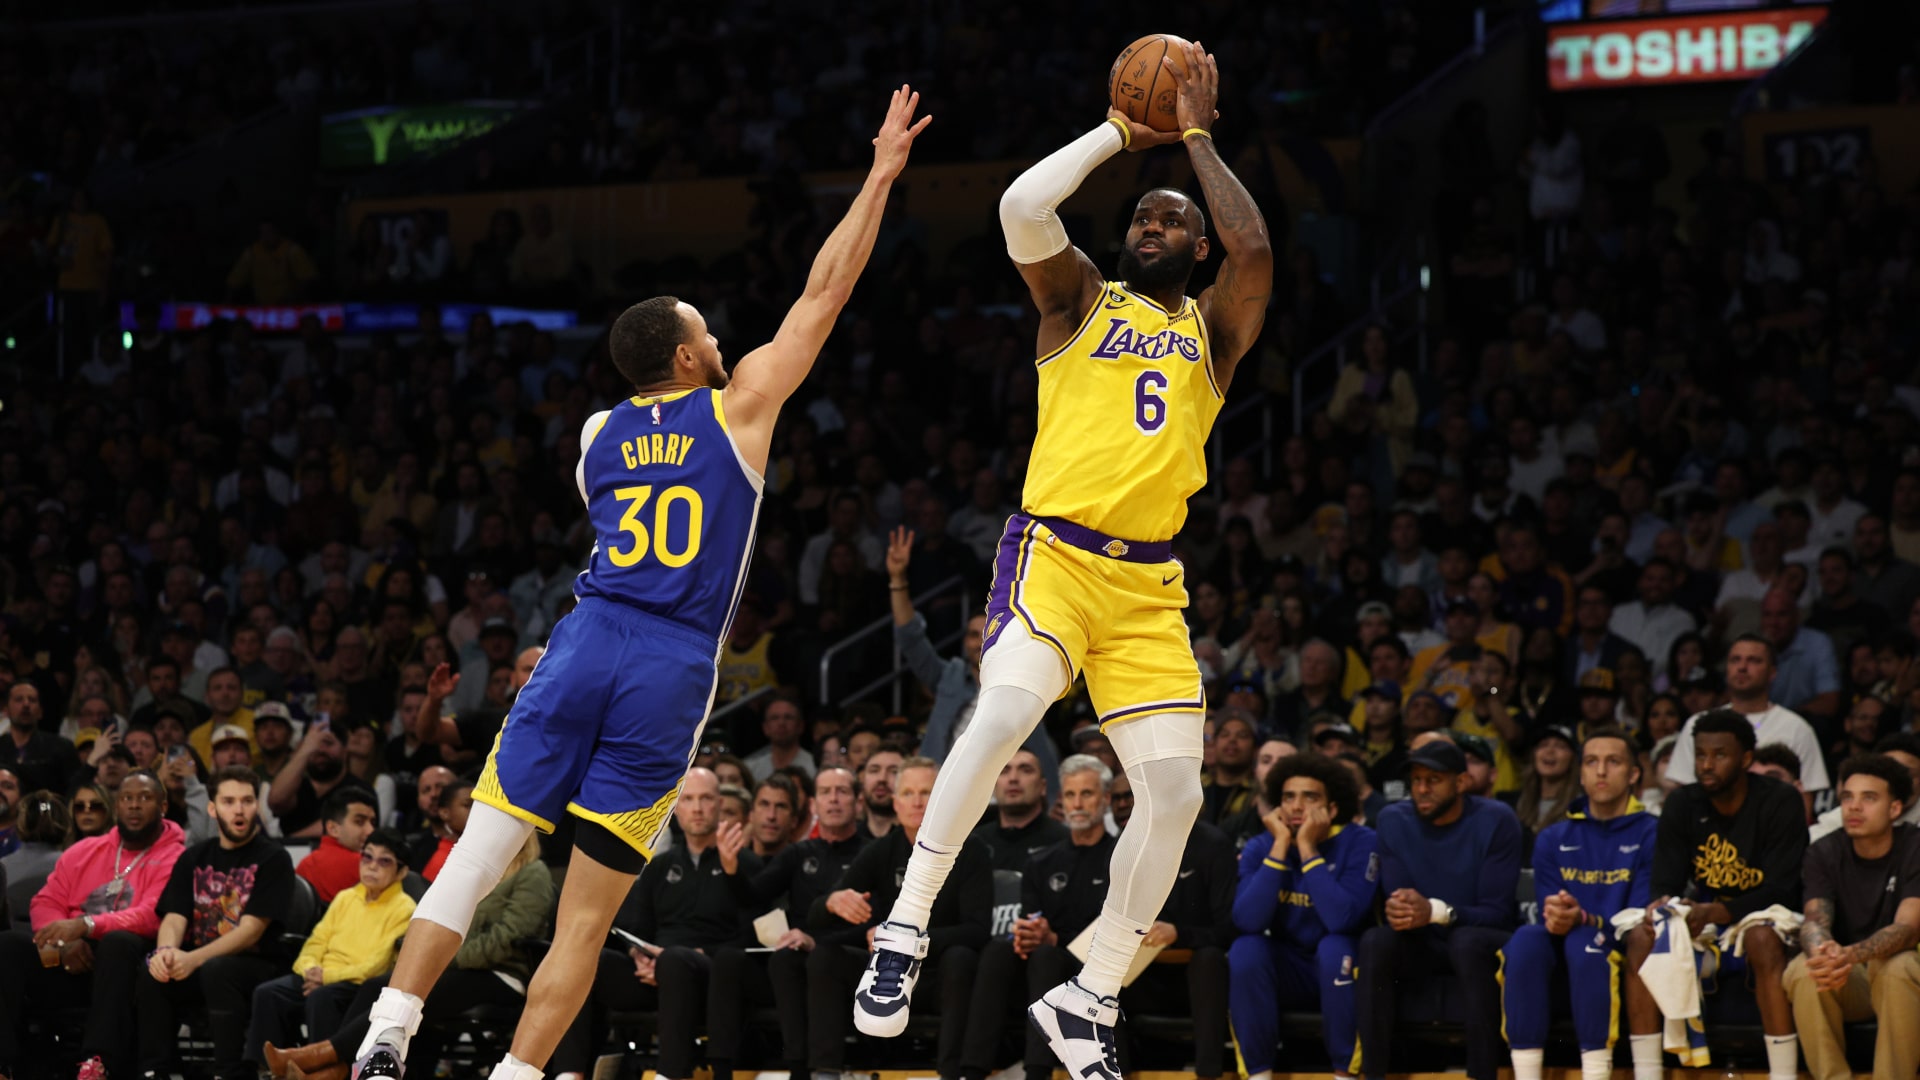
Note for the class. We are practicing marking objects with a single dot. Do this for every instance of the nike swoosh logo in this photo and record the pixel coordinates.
(1185, 874)
(1564, 847)
(1596, 952)
(1169, 581)
(1099, 881)
(1628, 850)
(1343, 982)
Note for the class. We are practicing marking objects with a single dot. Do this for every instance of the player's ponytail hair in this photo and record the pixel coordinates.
(643, 340)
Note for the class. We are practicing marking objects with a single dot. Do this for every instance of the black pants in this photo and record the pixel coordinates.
(834, 970)
(106, 993)
(1002, 989)
(1389, 957)
(679, 994)
(458, 990)
(279, 1006)
(224, 985)
(1198, 988)
(738, 982)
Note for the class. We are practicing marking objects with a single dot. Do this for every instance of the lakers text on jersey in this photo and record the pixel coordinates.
(608, 723)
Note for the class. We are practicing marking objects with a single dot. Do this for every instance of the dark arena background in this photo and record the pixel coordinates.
(1585, 412)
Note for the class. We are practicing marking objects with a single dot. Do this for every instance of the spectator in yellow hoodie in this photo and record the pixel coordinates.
(356, 940)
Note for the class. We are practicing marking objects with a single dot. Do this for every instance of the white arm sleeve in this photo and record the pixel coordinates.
(1027, 213)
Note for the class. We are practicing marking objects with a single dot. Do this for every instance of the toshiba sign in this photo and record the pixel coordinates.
(1697, 48)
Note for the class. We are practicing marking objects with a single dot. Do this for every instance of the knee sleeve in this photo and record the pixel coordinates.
(476, 865)
(1161, 756)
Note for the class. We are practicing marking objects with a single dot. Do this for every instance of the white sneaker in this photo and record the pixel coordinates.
(886, 988)
(1079, 1027)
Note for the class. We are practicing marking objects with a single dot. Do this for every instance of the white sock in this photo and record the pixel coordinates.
(1527, 1064)
(1783, 1057)
(1266, 1075)
(394, 1018)
(1596, 1064)
(1001, 721)
(512, 1068)
(1647, 1064)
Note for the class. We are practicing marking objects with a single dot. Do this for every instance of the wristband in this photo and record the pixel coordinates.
(1191, 132)
(1126, 132)
(88, 920)
(1441, 913)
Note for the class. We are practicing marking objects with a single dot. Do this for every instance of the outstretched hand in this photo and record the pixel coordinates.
(891, 146)
(899, 551)
(1198, 88)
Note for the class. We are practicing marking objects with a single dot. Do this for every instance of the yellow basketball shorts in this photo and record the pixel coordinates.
(1110, 607)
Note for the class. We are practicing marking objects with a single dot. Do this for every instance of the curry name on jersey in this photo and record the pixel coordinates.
(673, 506)
(1125, 408)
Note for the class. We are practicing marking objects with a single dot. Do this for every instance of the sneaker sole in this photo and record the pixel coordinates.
(880, 1027)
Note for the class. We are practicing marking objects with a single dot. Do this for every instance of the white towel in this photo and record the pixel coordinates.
(1672, 978)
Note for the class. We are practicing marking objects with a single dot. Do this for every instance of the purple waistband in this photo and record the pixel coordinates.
(1099, 543)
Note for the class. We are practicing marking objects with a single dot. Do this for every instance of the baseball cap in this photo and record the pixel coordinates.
(1337, 731)
(1439, 755)
(1383, 688)
(1372, 608)
(228, 733)
(1555, 731)
(498, 625)
(1473, 746)
(86, 737)
(1082, 736)
(272, 710)
(1460, 605)
(1700, 678)
(1599, 681)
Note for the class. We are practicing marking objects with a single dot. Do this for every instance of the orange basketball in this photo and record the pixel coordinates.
(1141, 86)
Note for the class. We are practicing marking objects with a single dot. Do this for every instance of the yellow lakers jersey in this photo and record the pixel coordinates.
(1125, 408)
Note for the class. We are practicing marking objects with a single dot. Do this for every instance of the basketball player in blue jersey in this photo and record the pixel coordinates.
(1132, 374)
(607, 725)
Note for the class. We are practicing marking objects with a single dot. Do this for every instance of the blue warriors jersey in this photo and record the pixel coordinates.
(673, 506)
(1606, 865)
(1298, 904)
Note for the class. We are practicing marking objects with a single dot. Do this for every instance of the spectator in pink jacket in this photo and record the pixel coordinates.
(93, 922)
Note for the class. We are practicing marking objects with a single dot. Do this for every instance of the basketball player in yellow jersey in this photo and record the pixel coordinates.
(1132, 374)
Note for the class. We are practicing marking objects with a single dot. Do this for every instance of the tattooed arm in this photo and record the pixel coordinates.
(1235, 305)
(1896, 937)
(1818, 929)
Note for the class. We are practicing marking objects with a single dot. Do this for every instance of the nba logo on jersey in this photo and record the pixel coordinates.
(656, 414)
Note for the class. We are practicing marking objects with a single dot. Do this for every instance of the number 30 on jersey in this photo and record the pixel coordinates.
(659, 541)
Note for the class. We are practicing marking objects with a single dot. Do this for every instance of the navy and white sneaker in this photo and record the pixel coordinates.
(383, 1062)
(886, 987)
(1079, 1027)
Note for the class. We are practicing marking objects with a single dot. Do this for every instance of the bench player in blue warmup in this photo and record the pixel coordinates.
(608, 724)
(1307, 887)
(1586, 869)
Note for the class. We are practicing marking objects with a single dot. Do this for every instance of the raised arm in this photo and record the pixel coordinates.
(1062, 279)
(767, 376)
(1235, 305)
